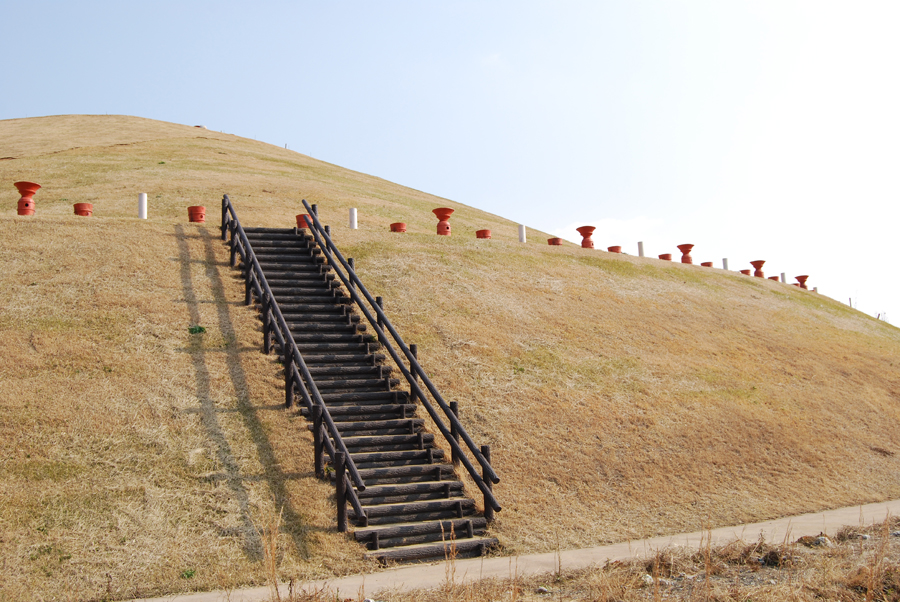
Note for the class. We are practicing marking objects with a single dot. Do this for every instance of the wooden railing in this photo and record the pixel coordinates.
(296, 374)
(382, 326)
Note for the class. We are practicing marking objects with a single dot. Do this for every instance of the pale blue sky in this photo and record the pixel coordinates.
(755, 130)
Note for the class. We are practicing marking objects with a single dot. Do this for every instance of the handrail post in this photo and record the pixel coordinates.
(414, 350)
(328, 231)
(488, 509)
(380, 303)
(224, 214)
(341, 491)
(267, 327)
(352, 269)
(233, 256)
(318, 444)
(248, 289)
(315, 210)
(454, 407)
(288, 380)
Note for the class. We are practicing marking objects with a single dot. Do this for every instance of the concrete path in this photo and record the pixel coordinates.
(433, 575)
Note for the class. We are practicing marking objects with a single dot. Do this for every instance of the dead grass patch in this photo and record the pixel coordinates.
(634, 398)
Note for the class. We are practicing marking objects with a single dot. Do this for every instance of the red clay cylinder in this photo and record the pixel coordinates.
(757, 265)
(482, 234)
(554, 242)
(304, 221)
(398, 227)
(802, 281)
(614, 249)
(84, 209)
(26, 207)
(197, 214)
(26, 203)
(745, 272)
(775, 278)
(686, 253)
(666, 257)
(443, 214)
(586, 241)
(707, 264)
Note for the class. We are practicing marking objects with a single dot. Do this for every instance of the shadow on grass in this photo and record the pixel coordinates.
(276, 479)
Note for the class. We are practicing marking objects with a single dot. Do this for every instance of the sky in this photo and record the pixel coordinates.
(752, 129)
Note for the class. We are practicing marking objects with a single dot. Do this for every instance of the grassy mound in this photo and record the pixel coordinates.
(622, 397)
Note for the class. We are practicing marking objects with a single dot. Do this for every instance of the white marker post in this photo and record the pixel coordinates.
(353, 218)
(521, 233)
(640, 248)
(142, 205)
(783, 278)
(725, 263)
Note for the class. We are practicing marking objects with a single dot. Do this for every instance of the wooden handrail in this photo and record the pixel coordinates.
(380, 322)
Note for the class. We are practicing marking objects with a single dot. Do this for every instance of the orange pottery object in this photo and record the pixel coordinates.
(666, 256)
(586, 241)
(775, 278)
(398, 227)
(757, 265)
(443, 214)
(304, 221)
(706, 264)
(745, 272)
(84, 209)
(197, 214)
(802, 281)
(482, 234)
(614, 249)
(554, 242)
(686, 253)
(26, 203)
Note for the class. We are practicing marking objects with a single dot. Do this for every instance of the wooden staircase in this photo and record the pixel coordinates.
(414, 505)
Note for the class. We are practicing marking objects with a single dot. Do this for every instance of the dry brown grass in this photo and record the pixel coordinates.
(622, 397)
(846, 570)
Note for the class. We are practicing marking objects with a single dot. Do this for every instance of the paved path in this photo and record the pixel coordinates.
(433, 575)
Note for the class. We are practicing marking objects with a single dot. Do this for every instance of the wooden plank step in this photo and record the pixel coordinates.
(301, 319)
(409, 424)
(391, 519)
(260, 230)
(435, 472)
(388, 440)
(327, 306)
(327, 337)
(435, 550)
(405, 534)
(319, 371)
(368, 384)
(443, 488)
(316, 327)
(339, 359)
(396, 408)
(387, 396)
(457, 525)
(333, 347)
(432, 453)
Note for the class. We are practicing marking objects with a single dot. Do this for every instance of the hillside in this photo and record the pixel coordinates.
(623, 397)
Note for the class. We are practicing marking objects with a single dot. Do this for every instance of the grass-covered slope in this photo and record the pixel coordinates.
(622, 397)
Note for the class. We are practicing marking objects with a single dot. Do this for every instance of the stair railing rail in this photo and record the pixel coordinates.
(380, 323)
(296, 372)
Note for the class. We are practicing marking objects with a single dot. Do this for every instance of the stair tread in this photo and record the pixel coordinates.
(427, 550)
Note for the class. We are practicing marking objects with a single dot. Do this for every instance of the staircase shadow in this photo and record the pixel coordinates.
(275, 478)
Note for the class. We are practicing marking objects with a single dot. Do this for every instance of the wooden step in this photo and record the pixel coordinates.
(349, 410)
(404, 534)
(388, 442)
(460, 547)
